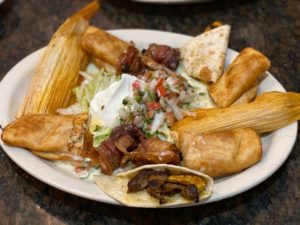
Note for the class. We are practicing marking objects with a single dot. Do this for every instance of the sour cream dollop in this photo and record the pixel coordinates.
(106, 104)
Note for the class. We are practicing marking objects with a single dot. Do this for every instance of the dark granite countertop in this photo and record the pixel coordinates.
(271, 26)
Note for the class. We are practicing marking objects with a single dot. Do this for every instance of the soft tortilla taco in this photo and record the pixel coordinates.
(157, 185)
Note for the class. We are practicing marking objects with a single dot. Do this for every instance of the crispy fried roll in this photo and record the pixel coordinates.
(103, 45)
(241, 75)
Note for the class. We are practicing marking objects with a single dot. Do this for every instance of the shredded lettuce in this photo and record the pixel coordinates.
(94, 82)
(101, 135)
(99, 132)
(164, 133)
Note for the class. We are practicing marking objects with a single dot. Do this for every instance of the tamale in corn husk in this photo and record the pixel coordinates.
(270, 111)
(58, 71)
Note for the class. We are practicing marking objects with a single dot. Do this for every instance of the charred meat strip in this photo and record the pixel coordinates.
(140, 181)
(157, 184)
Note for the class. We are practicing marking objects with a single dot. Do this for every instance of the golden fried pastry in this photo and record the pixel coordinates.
(100, 44)
(248, 96)
(242, 74)
(220, 153)
(49, 136)
(102, 64)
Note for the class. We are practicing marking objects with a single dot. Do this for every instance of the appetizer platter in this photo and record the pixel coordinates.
(146, 118)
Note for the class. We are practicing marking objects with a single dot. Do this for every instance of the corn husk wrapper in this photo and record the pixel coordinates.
(269, 112)
(116, 187)
(58, 71)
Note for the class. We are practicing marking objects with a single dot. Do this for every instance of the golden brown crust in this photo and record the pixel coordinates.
(241, 75)
(102, 64)
(205, 74)
(103, 45)
(248, 96)
(220, 153)
(43, 132)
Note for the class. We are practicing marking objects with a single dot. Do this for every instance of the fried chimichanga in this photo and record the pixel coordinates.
(220, 153)
(103, 45)
(241, 75)
(248, 96)
(49, 136)
(102, 64)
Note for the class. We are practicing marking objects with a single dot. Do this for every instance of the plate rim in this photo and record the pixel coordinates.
(109, 200)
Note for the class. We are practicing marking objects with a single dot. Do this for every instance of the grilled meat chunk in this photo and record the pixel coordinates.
(164, 55)
(155, 57)
(130, 61)
(154, 151)
(111, 151)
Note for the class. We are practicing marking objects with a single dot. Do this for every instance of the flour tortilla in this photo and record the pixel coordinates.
(203, 57)
(116, 187)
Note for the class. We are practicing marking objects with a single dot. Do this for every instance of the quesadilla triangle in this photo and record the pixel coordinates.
(203, 57)
(159, 185)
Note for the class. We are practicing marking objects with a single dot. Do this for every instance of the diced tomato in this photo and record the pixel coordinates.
(136, 85)
(160, 81)
(161, 91)
(153, 105)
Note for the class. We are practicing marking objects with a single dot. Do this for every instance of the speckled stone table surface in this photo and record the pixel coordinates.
(271, 26)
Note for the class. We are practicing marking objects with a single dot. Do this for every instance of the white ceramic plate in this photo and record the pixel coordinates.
(276, 146)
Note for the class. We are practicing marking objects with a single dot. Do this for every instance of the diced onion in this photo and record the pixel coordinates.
(162, 102)
(145, 96)
(123, 114)
(137, 120)
(157, 122)
(176, 110)
(185, 98)
(153, 84)
(136, 106)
